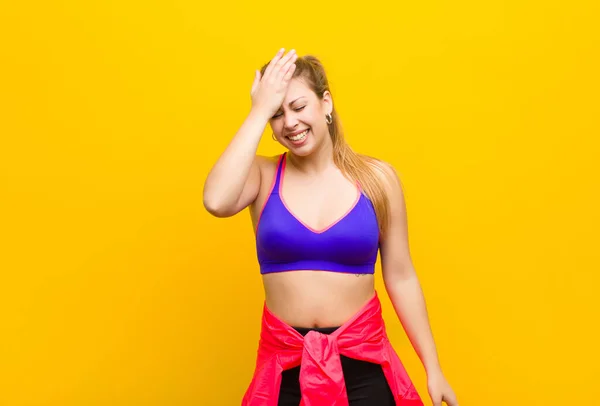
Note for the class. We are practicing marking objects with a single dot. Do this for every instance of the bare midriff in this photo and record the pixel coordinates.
(316, 298)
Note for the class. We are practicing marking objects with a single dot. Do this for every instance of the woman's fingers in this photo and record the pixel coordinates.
(275, 59)
(279, 65)
(451, 400)
(289, 73)
(268, 91)
(286, 67)
(274, 75)
(256, 81)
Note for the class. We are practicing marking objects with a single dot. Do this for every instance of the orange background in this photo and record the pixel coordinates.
(117, 288)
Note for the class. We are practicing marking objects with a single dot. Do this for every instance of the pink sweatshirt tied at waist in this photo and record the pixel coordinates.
(362, 337)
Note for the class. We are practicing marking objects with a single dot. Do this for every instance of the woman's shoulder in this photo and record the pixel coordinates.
(267, 161)
(390, 181)
(384, 169)
(267, 164)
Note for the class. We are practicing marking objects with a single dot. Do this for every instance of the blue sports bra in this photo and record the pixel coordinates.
(285, 243)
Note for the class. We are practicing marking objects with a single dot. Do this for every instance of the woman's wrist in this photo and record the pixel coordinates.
(433, 369)
(261, 114)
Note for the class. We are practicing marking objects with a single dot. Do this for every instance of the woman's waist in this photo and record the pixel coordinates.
(316, 298)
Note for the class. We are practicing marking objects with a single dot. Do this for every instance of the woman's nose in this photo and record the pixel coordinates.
(290, 121)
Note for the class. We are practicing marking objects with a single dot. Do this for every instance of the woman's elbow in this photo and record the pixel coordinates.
(216, 208)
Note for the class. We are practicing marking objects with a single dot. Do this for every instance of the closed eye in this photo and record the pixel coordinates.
(296, 109)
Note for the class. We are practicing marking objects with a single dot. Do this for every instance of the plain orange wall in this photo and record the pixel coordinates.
(117, 288)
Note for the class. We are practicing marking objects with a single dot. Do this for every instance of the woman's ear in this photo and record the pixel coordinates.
(327, 102)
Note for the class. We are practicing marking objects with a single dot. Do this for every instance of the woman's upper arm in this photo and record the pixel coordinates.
(396, 260)
(252, 185)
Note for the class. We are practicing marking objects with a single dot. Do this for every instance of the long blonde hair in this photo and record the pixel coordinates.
(357, 167)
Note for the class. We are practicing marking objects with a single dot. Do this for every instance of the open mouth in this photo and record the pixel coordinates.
(299, 137)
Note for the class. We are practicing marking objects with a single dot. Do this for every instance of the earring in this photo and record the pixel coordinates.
(273, 136)
(329, 118)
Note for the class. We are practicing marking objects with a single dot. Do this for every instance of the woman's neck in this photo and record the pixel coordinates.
(317, 162)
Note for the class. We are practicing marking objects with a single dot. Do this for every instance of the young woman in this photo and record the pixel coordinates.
(321, 215)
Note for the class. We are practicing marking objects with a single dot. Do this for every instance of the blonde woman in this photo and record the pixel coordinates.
(321, 214)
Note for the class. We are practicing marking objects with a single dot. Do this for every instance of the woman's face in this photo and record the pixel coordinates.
(300, 124)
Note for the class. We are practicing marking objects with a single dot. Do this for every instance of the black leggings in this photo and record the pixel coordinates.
(365, 382)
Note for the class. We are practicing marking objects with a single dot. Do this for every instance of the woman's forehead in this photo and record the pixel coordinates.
(296, 89)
